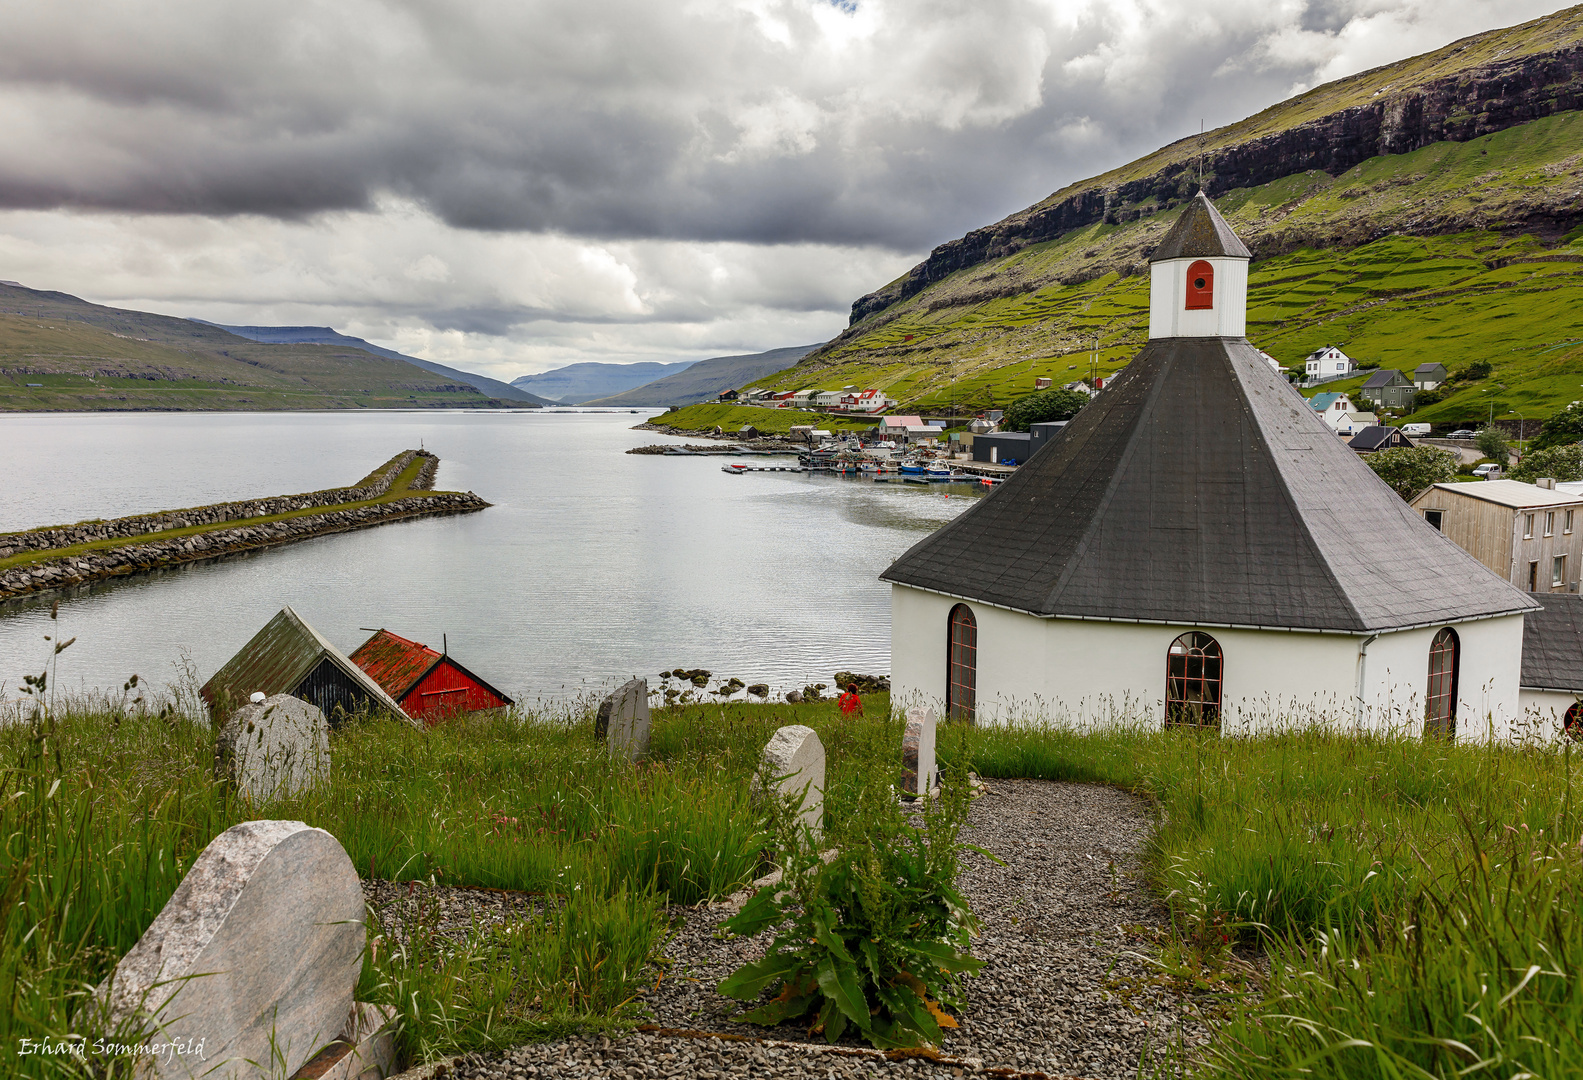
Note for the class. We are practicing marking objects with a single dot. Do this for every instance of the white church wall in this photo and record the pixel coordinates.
(1544, 712)
(1168, 314)
(1081, 673)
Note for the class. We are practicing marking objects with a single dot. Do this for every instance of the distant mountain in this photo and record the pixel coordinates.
(60, 353)
(577, 383)
(324, 335)
(707, 378)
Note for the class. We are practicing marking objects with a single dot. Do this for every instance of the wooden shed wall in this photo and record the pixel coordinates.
(446, 691)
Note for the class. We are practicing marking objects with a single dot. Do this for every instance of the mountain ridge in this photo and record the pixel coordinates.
(574, 384)
(707, 378)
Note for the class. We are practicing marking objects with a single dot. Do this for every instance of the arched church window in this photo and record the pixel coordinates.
(1194, 668)
(1200, 286)
(1440, 712)
(961, 683)
(1572, 722)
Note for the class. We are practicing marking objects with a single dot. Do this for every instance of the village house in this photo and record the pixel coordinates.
(1388, 389)
(866, 401)
(1194, 547)
(1327, 363)
(290, 657)
(429, 686)
(1428, 376)
(1376, 437)
(1529, 534)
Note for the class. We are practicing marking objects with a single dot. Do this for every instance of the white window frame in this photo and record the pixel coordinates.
(1550, 522)
(1567, 524)
(1558, 571)
(1528, 527)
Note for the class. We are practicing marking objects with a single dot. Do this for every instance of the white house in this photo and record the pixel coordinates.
(866, 401)
(1197, 546)
(828, 399)
(1328, 363)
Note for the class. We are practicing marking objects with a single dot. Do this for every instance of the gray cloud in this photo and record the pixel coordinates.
(769, 121)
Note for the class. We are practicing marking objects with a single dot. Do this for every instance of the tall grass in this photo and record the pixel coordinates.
(1418, 899)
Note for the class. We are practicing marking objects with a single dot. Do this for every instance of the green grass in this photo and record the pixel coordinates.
(730, 418)
(1416, 899)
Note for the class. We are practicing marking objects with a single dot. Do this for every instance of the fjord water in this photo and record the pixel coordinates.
(592, 564)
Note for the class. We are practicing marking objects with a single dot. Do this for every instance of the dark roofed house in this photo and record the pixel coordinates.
(1552, 680)
(430, 686)
(1389, 389)
(1187, 549)
(1377, 437)
(1428, 376)
(290, 657)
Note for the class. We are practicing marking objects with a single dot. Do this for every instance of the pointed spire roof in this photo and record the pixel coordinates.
(1199, 488)
(1200, 233)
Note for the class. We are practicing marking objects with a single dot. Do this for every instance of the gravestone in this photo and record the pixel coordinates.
(623, 720)
(918, 774)
(795, 759)
(277, 747)
(250, 967)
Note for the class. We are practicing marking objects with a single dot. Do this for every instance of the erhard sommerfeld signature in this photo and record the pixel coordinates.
(101, 1047)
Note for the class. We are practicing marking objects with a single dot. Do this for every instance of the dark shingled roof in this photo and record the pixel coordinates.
(1553, 644)
(1376, 436)
(1200, 233)
(1200, 488)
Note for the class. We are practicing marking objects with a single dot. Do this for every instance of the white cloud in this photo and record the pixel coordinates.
(507, 184)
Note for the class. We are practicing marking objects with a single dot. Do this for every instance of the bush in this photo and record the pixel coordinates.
(1425, 398)
(1479, 369)
(1041, 408)
(1560, 462)
(1561, 429)
(1410, 470)
(873, 940)
(1493, 444)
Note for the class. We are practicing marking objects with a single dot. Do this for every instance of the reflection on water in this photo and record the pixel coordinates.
(592, 564)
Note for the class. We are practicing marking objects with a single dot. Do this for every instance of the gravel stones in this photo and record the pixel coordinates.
(1066, 989)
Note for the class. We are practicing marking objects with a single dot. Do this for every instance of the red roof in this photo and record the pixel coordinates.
(395, 663)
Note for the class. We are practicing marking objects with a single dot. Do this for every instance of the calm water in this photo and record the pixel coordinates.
(592, 564)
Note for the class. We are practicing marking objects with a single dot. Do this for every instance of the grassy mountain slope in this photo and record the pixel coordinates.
(707, 378)
(85, 356)
(577, 383)
(325, 335)
(1456, 251)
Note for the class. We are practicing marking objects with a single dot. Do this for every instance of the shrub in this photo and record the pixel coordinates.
(1560, 462)
(1479, 369)
(1042, 407)
(1493, 444)
(876, 938)
(1410, 470)
(1561, 429)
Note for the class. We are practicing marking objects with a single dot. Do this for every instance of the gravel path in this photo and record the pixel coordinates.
(1061, 992)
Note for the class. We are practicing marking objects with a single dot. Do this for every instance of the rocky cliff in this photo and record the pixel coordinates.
(1471, 88)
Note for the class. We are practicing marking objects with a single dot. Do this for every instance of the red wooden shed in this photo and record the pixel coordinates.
(428, 685)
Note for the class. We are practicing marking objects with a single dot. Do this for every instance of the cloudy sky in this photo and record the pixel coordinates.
(513, 185)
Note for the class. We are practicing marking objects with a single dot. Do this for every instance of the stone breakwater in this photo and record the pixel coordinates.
(90, 566)
(121, 528)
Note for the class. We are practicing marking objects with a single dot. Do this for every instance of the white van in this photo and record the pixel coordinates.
(1415, 431)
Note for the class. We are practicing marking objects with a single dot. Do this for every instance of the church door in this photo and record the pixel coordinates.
(961, 683)
(1193, 670)
(1440, 714)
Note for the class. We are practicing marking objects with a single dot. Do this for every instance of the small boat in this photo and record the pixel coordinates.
(911, 468)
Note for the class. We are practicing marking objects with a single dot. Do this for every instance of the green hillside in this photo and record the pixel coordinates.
(59, 353)
(1455, 252)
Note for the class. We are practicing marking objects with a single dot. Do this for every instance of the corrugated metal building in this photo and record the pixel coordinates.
(290, 657)
(428, 685)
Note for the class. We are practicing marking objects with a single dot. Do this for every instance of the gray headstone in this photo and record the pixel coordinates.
(796, 756)
(252, 963)
(623, 720)
(275, 748)
(918, 773)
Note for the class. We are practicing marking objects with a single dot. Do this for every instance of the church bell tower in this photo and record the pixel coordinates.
(1198, 277)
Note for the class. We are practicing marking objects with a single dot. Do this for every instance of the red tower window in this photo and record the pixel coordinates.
(1200, 286)
(1193, 670)
(1440, 714)
(962, 665)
